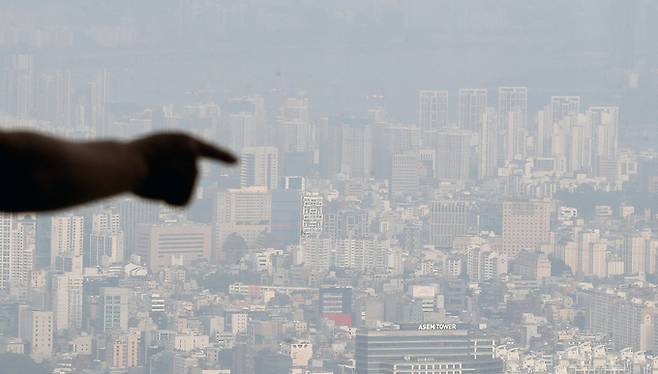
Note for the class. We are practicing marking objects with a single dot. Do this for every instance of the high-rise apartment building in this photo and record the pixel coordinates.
(513, 100)
(472, 105)
(312, 214)
(259, 166)
(17, 252)
(20, 86)
(432, 110)
(67, 300)
(67, 238)
(526, 225)
(488, 144)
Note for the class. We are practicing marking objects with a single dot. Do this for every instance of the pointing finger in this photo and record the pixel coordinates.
(210, 151)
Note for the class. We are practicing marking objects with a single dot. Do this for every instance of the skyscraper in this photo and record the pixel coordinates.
(513, 100)
(447, 221)
(432, 110)
(453, 153)
(488, 145)
(405, 173)
(526, 225)
(66, 300)
(312, 214)
(605, 126)
(20, 86)
(67, 238)
(259, 166)
(17, 252)
(472, 105)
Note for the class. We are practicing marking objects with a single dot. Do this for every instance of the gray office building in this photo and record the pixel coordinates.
(440, 347)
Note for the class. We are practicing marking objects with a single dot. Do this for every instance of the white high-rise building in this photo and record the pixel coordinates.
(17, 252)
(605, 127)
(312, 214)
(317, 252)
(361, 254)
(67, 299)
(67, 238)
(472, 105)
(259, 166)
(432, 110)
(488, 145)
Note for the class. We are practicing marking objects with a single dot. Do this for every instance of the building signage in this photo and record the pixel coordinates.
(437, 326)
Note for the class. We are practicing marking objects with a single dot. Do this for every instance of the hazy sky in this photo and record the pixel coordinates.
(339, 52)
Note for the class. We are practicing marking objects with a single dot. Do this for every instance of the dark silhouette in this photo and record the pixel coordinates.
(44, 173)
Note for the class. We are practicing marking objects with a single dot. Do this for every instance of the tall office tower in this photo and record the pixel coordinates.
(241, 131)
(53, 97)
(317, 252)
(312, 214)
(38, 330)
(564, 107)
(605, 127)
(246, 212)
(294, 131)
(356, 150)
(66, 301)
(20, 86)
(244, 122)
(67, 239)
(361, 254)
(488, 145)
(513, 100)
(514, 135)
(17, 252)
(445, 348)
(98, 98)
(286, 217)
(639, 253)
(392, 138)
(173, 244)
(405, 174)
(134, 212)
(114, 311)
(626, 320)
(580, 145)
(472, 106)
(453, 153)
(432, 110)
(447, 221)
(526, 225)
(259, 166)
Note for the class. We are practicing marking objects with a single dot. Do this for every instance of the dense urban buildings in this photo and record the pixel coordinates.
(425, 187)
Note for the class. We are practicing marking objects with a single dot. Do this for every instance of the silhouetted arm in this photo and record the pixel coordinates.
(45, 173)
